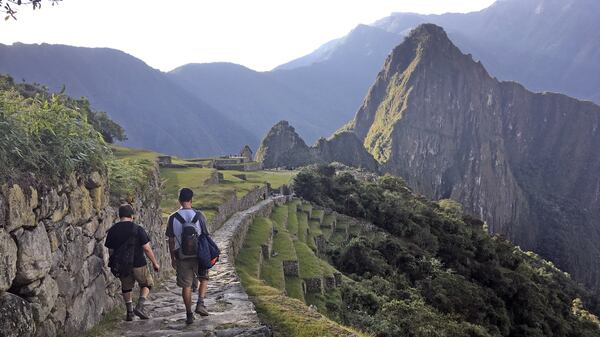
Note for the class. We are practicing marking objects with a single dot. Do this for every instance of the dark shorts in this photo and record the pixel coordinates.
(188, 271)
(141, 275)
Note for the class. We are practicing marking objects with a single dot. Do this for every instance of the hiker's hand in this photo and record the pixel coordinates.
(156, 267)
(174, 263)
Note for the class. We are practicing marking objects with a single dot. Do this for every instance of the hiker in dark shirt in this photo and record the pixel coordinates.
(118, 235)
(188, 269)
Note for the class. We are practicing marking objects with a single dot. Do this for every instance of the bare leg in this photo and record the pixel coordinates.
(202, 289)
(144, 292)
(186, 293)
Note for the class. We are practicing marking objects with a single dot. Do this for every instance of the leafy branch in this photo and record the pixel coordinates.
(8, 6)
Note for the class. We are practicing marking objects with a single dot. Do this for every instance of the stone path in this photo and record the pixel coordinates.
(231, 312)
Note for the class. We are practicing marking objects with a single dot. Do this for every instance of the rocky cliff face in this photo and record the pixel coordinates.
(283, 147)
(526, 163)
(346, 148)
(53, 274)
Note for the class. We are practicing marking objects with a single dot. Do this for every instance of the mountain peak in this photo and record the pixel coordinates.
(425, 40)
(428, 30)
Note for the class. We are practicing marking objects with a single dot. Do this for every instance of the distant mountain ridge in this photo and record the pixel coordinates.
(547, 45)
(155, 112)
(316, 97)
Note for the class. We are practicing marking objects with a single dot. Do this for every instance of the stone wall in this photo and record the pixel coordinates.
(240, 222)
(53, 274)
(290, 268)
(213, 179)
(314, 285)
(235, 204)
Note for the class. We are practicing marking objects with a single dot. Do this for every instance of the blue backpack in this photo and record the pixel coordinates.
(197, 245)
(208, 251)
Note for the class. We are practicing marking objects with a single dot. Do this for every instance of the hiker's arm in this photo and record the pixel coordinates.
(150, 254)
(172, 251)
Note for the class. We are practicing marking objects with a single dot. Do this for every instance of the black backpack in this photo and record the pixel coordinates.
(188, 246)
(121, 260)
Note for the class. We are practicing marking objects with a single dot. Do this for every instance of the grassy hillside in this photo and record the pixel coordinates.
(283, 301)
(206, 196)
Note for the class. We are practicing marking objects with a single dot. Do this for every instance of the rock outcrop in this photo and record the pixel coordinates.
(53, 275)
(283, 147)
(526, 163)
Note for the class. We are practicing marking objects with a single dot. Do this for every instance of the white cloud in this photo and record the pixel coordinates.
(259, 34)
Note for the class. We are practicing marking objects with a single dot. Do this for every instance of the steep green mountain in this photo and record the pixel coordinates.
(316, 98)
(156, 113)
(525, 163)
(283, 147)
(421, 268)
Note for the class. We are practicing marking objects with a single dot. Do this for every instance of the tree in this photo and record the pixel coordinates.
(8, 6)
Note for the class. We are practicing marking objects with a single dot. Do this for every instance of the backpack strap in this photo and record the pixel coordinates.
(179, 218)
(196, 218)
(203, 229)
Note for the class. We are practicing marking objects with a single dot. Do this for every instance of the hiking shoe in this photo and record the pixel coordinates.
(201, 309)
(129, 316)
(139, 312)
(189, 318)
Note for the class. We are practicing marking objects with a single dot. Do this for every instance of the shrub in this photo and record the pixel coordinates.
(46, 138)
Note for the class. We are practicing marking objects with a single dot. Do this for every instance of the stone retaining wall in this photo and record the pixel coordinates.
(239, 223)
(314, 285)
(321, 244)
(290, 268)
(53, 274)
(235, 204)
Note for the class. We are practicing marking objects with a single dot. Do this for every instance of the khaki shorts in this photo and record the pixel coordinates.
(187, 272)
(141, 275)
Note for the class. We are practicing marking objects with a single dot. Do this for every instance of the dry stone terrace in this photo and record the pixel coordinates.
(231, 311)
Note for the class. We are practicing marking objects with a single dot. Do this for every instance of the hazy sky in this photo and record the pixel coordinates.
(259, 34)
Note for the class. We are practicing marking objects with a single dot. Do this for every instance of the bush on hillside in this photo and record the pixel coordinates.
(99, 120)
(46, 137)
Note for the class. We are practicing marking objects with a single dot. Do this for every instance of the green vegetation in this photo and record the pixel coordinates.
(293, 217)
(46, 135)
(207, 196)
(99, 120)
(310, 265)
(128, 177)
(379, 139)
(302, 225)
(429, 270)
(257, 235)
(283, 245)
(288, 315)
